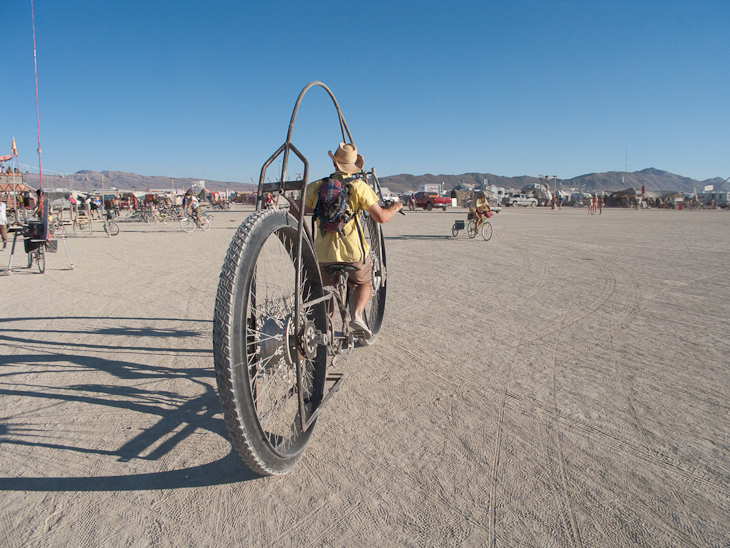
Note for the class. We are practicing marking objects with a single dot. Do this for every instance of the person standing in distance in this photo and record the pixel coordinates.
(3, 225)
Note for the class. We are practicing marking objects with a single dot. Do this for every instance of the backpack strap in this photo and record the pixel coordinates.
(362, 237)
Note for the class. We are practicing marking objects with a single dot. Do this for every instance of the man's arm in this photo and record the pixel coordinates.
(383, 215)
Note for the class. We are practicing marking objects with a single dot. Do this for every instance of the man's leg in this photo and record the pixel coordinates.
(360, 288)
(360, 296)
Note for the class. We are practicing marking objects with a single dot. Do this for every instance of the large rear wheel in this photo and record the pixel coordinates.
(471, 229)
(378, 279)
(257, 345)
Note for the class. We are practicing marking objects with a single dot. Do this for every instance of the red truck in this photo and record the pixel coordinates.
(429, 200)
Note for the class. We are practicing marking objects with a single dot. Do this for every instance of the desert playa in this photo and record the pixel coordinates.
(564, 384)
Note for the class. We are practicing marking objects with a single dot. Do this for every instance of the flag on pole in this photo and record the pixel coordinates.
(14, 150)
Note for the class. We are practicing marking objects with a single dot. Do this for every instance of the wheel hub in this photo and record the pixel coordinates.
(308, 340)
(274, 342)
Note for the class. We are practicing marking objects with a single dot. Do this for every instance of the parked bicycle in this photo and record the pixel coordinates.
(274, 341)
(38, 256)
(35, 242)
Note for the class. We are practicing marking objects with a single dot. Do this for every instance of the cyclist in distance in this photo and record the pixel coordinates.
(479, 209)
(348, 245)
(193, 206)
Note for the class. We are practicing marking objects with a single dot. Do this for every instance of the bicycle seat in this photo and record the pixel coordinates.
(338, 267)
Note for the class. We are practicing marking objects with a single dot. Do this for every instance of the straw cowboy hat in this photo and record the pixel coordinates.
(347, 159)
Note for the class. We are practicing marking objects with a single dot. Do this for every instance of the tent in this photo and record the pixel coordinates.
(202, 195)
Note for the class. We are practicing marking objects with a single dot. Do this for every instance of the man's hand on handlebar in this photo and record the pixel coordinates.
(392, 204)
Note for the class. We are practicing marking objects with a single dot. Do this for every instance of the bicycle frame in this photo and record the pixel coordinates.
(280, 187)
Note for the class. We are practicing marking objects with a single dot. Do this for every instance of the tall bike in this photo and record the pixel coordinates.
(273, 338)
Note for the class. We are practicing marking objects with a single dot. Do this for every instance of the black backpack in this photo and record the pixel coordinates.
(331, 208)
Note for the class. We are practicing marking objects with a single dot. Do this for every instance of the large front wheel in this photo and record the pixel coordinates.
(262, 356)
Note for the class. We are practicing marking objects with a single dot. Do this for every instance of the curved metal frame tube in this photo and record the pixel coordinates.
(281, 187)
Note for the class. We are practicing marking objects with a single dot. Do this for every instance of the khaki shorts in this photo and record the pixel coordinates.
(360, 276)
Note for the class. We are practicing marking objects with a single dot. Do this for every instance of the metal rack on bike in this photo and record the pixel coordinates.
(276, 334)
(281, 187)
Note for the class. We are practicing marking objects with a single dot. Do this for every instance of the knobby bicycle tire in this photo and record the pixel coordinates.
(254, 342)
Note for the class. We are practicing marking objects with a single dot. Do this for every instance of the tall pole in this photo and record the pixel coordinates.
(37, 110)
(15, 188)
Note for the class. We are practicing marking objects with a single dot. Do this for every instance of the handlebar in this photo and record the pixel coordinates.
(388, 203)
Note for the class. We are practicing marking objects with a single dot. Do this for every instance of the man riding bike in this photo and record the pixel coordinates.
(348, 246)
(193, 206)
(479, 209)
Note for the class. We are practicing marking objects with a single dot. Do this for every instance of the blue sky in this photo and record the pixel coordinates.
(205, 89)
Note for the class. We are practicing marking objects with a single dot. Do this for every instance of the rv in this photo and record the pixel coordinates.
(721, 199)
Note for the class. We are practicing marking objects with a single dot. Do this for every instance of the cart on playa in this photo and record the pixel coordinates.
(39, 238)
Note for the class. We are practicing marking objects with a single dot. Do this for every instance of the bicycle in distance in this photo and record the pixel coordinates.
(278, 331)
(472, 229)
(191, 222)
(223, 205)
(110, 227)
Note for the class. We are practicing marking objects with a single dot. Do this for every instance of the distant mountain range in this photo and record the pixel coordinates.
(85, 181)
(652, 179)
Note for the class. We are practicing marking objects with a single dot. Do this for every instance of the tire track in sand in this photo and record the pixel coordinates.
(655, 455)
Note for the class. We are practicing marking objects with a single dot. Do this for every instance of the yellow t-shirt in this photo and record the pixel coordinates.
(347, 247)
